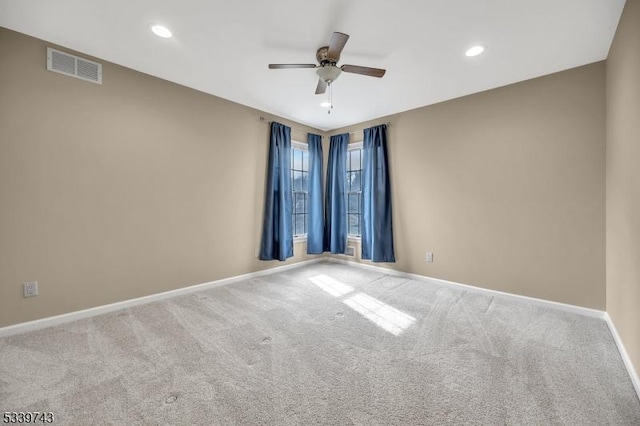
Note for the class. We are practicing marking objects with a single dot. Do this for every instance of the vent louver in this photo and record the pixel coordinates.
(73, 66)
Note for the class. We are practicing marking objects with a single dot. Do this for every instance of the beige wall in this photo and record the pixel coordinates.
(506, 188)
(623, 181)
(120, 190)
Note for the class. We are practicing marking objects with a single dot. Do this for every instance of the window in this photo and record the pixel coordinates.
(300, 187)
(354, 190)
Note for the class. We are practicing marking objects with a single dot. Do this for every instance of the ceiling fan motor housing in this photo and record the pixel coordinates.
(322, 56)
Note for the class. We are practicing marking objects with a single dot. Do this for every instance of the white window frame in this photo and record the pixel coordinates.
(305, 147)
(352, 147)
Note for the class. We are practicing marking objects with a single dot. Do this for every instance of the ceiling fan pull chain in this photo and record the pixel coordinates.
(331, 93)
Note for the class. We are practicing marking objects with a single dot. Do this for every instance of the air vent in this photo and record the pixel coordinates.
(73, 66)
(351, 251)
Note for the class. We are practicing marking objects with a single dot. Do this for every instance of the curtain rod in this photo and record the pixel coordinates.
(362, 130)
(264, 120)
(261, 118)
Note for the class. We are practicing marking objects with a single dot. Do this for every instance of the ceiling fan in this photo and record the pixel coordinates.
(328, 57)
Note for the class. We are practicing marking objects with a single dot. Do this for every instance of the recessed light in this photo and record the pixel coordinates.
(325, 104)
(475, 51)
(161, 31)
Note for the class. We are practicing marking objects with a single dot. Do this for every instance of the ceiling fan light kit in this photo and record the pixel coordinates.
(328, 73)
(327, 70)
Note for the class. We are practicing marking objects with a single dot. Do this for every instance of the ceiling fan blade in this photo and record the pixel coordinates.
(336, 44)
(287, 66)
(356, 69)
(321, 88)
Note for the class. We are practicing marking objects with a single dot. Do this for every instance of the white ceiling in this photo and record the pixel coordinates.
(223, 47)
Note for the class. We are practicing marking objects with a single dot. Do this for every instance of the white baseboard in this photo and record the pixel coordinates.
(623, 353)
(594, 313)
(99, 310)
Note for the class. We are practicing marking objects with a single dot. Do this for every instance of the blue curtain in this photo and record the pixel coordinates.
(315, 226)
(377, 227)
(277, 228)
(335, 213)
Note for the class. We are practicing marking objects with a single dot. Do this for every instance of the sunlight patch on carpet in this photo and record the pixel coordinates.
(331, 286)
(385, 316)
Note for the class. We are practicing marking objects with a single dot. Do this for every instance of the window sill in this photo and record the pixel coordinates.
(354, 238)
(299, 239)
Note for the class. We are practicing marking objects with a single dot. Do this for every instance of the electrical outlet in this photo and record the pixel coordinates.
(429, 256)
(30, 288)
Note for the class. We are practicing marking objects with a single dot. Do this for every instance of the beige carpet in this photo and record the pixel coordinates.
(323, 344)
